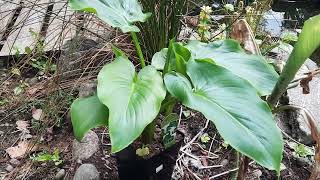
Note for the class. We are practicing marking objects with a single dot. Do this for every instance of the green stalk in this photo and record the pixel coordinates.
(148, 133)
(138, 48)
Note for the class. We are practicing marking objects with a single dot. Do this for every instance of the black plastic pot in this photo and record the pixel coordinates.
(158, 167)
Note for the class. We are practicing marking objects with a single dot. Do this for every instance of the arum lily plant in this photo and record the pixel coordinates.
(217, 79)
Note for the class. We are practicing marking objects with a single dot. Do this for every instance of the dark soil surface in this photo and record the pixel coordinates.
(212, 153)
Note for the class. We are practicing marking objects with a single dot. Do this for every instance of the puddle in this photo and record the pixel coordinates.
(289, 17)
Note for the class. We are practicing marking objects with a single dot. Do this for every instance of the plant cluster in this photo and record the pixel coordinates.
(216, 78)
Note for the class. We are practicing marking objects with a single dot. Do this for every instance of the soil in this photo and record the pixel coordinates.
(106, 162)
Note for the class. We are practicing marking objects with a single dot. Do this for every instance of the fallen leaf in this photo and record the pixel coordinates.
(20, 150)
(304, 83)
(23, 126)
(33, 90)
(36, 114)
(204, 161)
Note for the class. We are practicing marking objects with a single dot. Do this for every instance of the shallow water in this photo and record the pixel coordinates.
(289, 19)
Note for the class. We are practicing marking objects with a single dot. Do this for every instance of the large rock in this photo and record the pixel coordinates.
(310, 101)
(87, 172)
(87, 147)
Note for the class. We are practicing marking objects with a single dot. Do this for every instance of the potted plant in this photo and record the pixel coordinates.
(217, 79)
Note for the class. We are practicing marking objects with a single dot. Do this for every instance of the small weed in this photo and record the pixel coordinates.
(143, 151)
(300, 150)
(3, 101)
(47, 157)
(205, 138)
(20, 88)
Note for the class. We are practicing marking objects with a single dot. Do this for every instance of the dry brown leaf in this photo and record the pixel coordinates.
(23, 126)
(33, 90)
(20, 150)
(304, 83)
(36, 114)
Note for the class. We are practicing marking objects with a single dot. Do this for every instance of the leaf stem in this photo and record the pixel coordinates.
(138, 48)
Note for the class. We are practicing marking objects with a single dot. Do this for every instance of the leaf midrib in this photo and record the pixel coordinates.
(230, 115)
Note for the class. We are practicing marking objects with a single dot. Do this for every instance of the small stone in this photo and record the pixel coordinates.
(26, 136)
(87, 147)
(60, 175)
(15, 162)
(32, 81)
(1, 132)
(87, 172)
(79, 161)
(257, 173)
(9, 168)
(87, 89)
(224, 162)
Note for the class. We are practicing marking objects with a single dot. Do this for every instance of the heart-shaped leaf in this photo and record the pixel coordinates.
(87, 113)
(116, 13)
(159, 59)
(177, 58)
(241, 117)
(229, 54)
(133, 100)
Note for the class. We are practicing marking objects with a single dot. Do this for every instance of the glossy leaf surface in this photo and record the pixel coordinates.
(134, 100)
(230, 55)
(159, 59)
(117, 13)
(241, 117)
(87, 113)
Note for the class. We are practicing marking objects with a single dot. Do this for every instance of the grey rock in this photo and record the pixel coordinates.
(32, 81)
(9, 168)
(87, 147)
(60, 175)
(257, 173)
(87, 89)
(224, 162)
(15, 162)
(1, 132)
(87, 172)
(310, 101)
(292, 119)
(79, 161)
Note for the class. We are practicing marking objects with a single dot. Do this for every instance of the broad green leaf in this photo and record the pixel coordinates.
(241, 117)
(177, 58)
(308, 42)
(87, 113)
(117, 13)
(159, 59)
(230, 55)
(134, 100)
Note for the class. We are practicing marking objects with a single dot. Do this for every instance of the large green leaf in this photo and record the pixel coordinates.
(230, 55)
(133, 100)
(173, 58)
(159, 59)
(241, 117)
(87, 113)
(308, 42)
(177, 58)
(117, 13)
